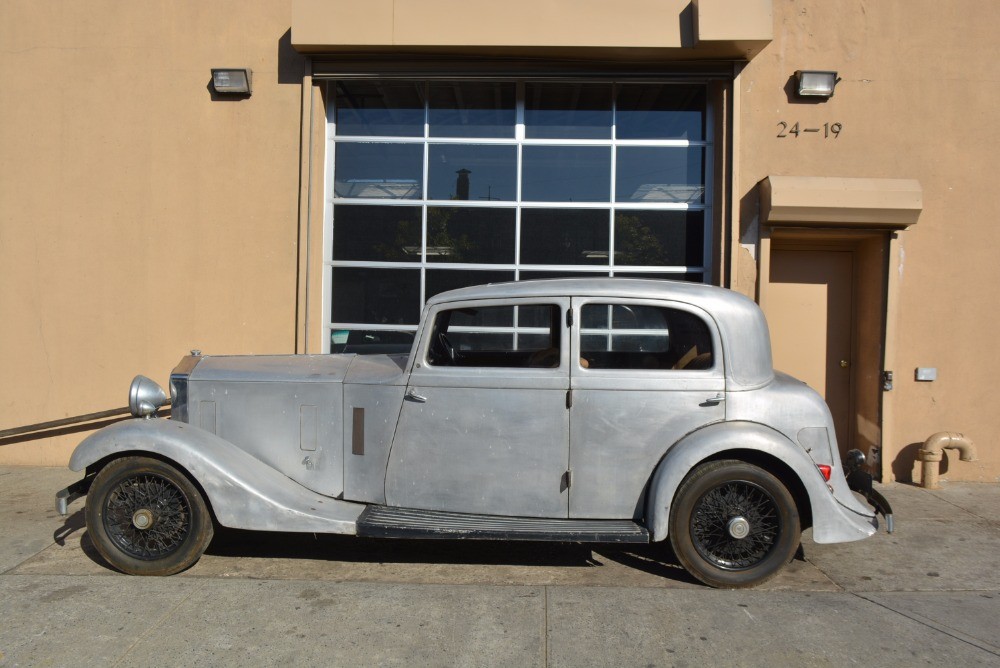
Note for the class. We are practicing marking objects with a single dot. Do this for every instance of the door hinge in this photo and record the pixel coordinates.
(569, 317)
(569, 398)
(569, 478)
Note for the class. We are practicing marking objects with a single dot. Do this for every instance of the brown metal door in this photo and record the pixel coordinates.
(810, 311)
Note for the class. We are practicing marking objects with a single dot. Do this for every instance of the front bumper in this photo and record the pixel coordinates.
(861, 482)
(68, 495)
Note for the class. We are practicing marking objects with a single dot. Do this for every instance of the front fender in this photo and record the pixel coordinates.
(244, 492)
(832, 522)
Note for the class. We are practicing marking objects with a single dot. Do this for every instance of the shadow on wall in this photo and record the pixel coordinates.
(906, 458)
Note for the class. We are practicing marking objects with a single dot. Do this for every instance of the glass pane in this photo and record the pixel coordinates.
(566, 174)
(646, 337)
(386, 108)
(650, 238)
(472, 109)
(658, 174)
(660, 111)
(370, 341)
(691, 276)
(468, 337)
(441, 280)
(470, 235)
(380, 171)
(541, 275)
(535, 316)
(376, 233)
(472, 172)
(567, 111)
(378, 296)
(564, 236)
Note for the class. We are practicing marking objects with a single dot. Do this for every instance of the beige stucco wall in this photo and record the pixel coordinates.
(138, 217)
(914, 104)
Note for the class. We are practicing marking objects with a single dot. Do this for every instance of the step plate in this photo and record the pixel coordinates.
(386, 522)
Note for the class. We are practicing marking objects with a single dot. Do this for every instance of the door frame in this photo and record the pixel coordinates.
(872, 293)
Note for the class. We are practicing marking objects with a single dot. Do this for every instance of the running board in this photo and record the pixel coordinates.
(386, 522)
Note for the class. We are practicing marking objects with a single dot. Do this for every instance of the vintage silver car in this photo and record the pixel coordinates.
(599, 410)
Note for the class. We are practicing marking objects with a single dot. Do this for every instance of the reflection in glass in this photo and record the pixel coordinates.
(472, 172)
(564, 236)
(660, 111)
(649, 238)
(566, 173)
(659, 174)
(376, 233)
(471, 109)
(378, 296)
(487, 316)
(378, 171)
(567, 111)
(470, 234)
(380, 108)
(440, 280)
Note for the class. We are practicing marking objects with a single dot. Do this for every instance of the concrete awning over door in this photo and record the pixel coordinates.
(824, 201)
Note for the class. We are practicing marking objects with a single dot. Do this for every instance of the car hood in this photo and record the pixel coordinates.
(273, 368)
(351, 368)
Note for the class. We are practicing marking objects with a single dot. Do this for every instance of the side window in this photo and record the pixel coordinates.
(634, 336)
(497, 336)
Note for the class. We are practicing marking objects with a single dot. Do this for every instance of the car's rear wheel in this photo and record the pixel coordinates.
(733, 524)
(145, 517)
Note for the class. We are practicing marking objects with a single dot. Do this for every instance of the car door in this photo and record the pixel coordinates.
(484, 426)
(644, 373)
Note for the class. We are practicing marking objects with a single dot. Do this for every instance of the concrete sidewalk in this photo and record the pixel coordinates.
(928, 594)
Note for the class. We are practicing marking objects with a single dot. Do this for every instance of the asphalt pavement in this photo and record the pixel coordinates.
(928, 594)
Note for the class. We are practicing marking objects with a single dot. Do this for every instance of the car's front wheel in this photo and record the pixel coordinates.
(146, 518)
(733, 524)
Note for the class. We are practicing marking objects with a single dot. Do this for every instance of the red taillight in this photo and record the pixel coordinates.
(825, 469)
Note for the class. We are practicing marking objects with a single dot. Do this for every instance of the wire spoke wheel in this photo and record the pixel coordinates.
(735, 525)
(147, 516)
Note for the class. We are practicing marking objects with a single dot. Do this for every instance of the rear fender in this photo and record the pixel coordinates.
(243, 492)
(832, 522)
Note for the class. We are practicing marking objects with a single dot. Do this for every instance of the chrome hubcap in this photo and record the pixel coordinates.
(738, 527)
(142, 519)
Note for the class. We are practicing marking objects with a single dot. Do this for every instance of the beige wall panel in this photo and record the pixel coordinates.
(635, 23)
(339, 22)
(138, 217)
(912, 105)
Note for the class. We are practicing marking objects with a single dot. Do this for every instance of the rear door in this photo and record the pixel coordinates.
(644, 373)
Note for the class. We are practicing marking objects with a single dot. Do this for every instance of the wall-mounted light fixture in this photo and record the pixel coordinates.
(232, 80)
(816, 83)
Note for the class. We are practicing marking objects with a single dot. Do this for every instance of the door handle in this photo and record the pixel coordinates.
(717, 399)
(412, 395)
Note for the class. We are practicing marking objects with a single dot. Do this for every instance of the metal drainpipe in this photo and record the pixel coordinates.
(933, 452)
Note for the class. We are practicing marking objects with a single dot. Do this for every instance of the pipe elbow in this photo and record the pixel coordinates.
(947, 440)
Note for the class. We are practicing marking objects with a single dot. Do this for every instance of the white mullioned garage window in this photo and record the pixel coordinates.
(435, 185)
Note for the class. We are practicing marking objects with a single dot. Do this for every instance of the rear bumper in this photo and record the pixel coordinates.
(861, 482)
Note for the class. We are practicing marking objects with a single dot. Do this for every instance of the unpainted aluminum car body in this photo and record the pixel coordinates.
(429, 444)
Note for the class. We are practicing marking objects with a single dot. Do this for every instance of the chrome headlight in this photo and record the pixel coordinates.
(145, 397)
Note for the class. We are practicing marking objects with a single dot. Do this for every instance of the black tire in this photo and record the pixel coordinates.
(146, 518)
(733, 525)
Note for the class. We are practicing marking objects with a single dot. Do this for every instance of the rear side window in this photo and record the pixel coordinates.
(525, 336)
(638, 336)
